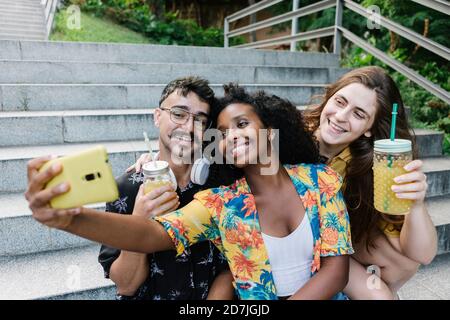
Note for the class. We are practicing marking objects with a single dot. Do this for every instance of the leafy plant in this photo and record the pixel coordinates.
(165, 28)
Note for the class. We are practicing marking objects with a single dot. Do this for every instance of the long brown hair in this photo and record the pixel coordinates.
(358, 193)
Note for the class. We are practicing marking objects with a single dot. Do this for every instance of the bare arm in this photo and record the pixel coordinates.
(327, 282)
(132, 233)
(222, 287)
(418, 238)
(131, 269)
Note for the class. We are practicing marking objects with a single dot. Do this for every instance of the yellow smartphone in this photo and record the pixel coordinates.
(90, 176)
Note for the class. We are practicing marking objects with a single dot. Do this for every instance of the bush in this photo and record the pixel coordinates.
(136, 15)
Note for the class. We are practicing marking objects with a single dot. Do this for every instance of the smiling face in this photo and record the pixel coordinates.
(347, 115)
(240, 127)
(178, 139)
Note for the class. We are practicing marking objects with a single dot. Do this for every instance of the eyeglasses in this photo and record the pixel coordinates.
(181, 116)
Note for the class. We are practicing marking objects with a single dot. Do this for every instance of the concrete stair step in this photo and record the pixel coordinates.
(20, 4)
(10, 25)
(23, 31)
(437, 170)
(13, 161)
(107, 52)
(21, 20)
(31, 3)
(430, 282)
(48, 97)
(71, 273)
(21, 234)
(21, 9)
(58, 127)
(439, 209)
(429, 142)
(97, 73)
(22, 37)
(35, 16)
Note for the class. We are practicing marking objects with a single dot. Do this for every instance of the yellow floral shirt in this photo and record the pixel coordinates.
(227, 216)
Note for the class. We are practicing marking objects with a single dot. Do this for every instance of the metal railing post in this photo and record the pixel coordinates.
(294, 29)
(337, 25)
(226, 29)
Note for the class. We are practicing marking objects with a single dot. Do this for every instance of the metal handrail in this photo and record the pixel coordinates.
(403, 31)
(49, 7)
(252, 9)
(315, 7)
(438, 5)
(338, 31)
(397, 66)
(301, 36)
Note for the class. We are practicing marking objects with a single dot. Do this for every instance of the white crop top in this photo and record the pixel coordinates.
(290, 258)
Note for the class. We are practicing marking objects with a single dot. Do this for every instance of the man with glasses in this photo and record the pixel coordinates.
(201, 272)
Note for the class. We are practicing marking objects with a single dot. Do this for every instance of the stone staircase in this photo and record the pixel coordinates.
(58, 98)
(22, 19)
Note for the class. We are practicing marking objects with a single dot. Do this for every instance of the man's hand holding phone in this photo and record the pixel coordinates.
(39, 198)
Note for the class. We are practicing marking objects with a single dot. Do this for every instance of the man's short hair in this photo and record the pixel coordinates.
(185, 85)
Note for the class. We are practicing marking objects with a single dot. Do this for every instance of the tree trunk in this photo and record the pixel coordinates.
(198, 14)
(158, 7)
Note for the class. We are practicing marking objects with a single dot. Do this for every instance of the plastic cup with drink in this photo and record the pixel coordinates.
(390, 157)
(157, 173)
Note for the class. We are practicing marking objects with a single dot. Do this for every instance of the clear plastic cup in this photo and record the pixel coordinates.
(158, 174)
(389, 159)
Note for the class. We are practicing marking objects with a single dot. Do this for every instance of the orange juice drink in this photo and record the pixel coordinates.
(389, 159)
(152, 185)
(158, 174)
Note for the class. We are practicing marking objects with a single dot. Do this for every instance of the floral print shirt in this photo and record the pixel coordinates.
(227, 216)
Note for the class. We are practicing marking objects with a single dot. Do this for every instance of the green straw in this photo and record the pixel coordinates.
(393, 122)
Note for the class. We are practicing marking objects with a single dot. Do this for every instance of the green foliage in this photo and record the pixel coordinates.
(446, 144)
(94, 29)
(169, 29)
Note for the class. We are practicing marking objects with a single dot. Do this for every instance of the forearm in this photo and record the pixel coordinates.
(125, 232)
(418, 238)
(129, 271)
(327, 282)
(222, 287)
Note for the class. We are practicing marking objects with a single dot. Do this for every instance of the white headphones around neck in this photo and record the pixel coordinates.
(200, 171)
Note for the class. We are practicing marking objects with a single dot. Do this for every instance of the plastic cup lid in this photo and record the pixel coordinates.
(387, 145)
(150, 168)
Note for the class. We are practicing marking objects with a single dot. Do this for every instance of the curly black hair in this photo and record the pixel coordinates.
(296, 144)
